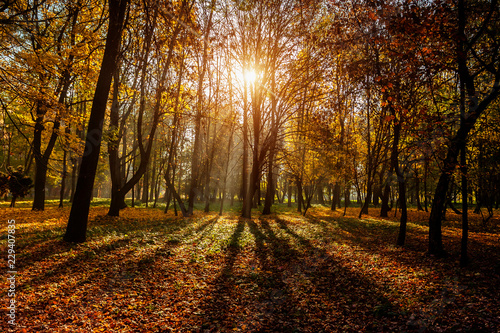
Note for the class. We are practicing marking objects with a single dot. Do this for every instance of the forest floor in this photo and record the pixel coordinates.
(150, 272)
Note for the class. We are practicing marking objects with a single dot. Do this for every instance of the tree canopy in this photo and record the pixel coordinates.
(386, 103)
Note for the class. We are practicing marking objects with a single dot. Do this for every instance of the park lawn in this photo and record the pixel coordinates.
(150, 272)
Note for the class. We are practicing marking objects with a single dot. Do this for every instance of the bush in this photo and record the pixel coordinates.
(4, 184)
(17, 183)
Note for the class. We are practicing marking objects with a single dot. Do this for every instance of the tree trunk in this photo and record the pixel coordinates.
(152, 184)
(336, 196)
(270, 185)
(404, 214)
(42, 160)
(300, 198)
(463, 168)
(346, 199)
(258, 156)
(384, 209)
(309, 195)
(13, 202)
(117, 198)
(475, 109)
(196, 157)
(177, 197)
(74, 167)
(207, 181)
(63, 180)
(319, 193)
(145, 186)
(77, 224)
(168, 199)
(377, 189)
(270, 190)
(226, 166)
(417, 190)
(40, 180)
(289, 194)
(244, 166)
(364, 209)
(117, 203)
(465, 223)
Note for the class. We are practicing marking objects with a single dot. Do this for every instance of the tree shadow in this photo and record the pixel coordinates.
(49, 242)
(343, 296)
(296, 287)
(276, 305)
(379, 238)
(94, 257)
(440, 275)
(216, 307)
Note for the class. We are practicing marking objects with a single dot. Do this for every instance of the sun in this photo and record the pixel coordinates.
(249, 75)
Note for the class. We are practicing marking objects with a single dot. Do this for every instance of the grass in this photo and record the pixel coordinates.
(152, 272)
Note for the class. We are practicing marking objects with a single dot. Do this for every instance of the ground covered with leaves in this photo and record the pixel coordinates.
(150, 272)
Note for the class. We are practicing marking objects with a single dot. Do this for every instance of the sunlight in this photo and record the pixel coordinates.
(249, 75)
(246, 76)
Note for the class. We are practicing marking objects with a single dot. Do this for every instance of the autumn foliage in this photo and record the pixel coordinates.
(132, 112)
(150, 272)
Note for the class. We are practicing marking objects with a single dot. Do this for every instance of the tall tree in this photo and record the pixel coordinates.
(77, 224)
(477, 64)
(197, 148)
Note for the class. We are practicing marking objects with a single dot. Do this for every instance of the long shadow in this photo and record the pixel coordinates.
(369, 238)
(100, 226)
(95, 277)
(67, 267)
(205, 228)
(90, 273)
(443, 270)
(92, 256)
(277, 307)
(216, 309)
(354, 300)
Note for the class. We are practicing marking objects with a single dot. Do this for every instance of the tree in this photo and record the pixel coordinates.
(51, 49)
(196, 156)
(77, 223)
(270, 54)
(145, 143)
(478, 67)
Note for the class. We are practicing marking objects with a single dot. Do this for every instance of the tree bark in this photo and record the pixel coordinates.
(364, 209)
(404, 214)
(384, 209)
(289, 193)
(152, 184)
(13, 202)
(145, 186)
(77, 224)
(117, 198)
(300, 198)
(196, 157)
(475, 109)
(42, 160)
(270, 190)
(63, 180)
(270, 185)
(228, 152)
(145, 150)
(336, 196)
